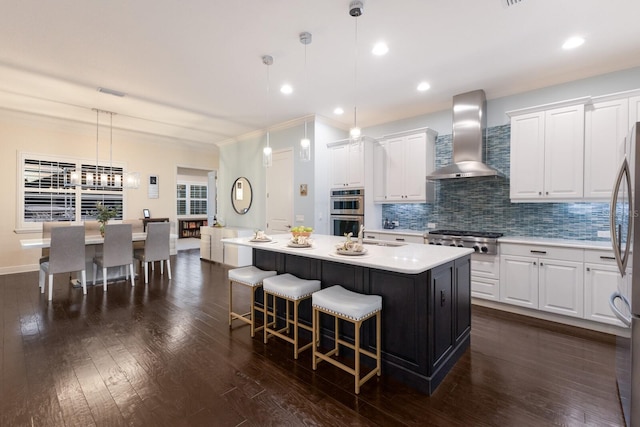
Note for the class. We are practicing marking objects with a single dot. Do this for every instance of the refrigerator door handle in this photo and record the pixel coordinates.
(612, 303)
(621, 257)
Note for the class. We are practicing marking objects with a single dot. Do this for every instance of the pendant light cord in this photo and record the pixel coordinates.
(355, 80)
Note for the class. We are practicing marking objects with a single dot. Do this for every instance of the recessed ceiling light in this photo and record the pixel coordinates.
(380, 49)
(573, 42)
(338, 111)
(423, 86)
(286, 89)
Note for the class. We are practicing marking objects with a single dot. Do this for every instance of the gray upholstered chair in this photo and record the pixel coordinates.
(117, 251)
(47, 226)
(137, 226)
(67, 254)
(156, 248)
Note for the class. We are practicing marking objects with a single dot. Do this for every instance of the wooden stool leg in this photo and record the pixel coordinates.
(315, 323)
(378, 343)
(266, 315)
(337, 335)
(357, 355)
(252, 311)
(230, 301)
(286, 304)
(295, 328)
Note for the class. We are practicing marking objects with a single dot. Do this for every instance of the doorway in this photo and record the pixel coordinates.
(280, 192)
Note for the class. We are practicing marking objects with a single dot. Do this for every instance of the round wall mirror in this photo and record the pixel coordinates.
(241, 195)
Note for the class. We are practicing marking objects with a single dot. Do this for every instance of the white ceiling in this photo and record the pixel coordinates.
(192, 70)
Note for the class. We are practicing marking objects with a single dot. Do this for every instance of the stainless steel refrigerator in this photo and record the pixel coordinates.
(625, 302)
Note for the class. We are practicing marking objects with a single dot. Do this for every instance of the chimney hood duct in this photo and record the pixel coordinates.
(469, 124)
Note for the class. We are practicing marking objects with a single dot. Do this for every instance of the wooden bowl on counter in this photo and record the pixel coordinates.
(301, 233)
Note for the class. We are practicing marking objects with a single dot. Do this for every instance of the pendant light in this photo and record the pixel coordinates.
(355, 10)
(267, 153)
(305, 143)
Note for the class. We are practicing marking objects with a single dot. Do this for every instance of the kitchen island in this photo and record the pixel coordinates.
(425, 289)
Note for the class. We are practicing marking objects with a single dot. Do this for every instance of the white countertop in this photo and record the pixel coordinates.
(409, 258)
(565, 243)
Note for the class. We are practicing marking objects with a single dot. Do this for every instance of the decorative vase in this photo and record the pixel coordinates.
(102, 224)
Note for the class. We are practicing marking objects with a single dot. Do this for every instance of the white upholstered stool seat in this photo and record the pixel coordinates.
(293, 290)
(352, 307)
(252, 277)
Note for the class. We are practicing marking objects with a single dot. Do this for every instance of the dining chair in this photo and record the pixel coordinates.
(67, 254)
(47, 226)
(156, 248)
(137, 226)
(117, 251)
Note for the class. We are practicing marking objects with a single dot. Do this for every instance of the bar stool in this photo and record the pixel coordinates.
(293, 290)
(352, 307)
(252, 277)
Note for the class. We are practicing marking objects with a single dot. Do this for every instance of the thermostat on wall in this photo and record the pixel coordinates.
(153, 187)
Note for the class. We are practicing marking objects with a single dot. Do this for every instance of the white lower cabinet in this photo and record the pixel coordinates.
(561, 287)
(485, 276)
(601, 279)
(543, 278)
(212, 248)
(519, 280)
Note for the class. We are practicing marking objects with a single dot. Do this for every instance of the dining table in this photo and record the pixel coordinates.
(93, 244)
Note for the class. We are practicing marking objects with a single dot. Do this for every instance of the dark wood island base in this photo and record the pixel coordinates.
(426, 317)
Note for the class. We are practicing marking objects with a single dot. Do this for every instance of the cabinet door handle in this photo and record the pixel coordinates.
(588, 269)
(608, 257)
(443, 298)
(399, 239)
(539, 252)
(539, 193)
(371, 237)
(535, 263)
(547, 193)
(541, 264)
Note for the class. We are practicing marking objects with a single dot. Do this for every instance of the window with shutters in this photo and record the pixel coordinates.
(47, 193)
(191, 199)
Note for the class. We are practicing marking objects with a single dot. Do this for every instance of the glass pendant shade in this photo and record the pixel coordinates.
(89, 178)
(267, 156)
(305, 149)
(76, 178)
(355, 133)
(131, 180)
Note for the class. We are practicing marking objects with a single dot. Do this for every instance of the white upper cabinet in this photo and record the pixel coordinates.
(634, 110)
(379, 171)
(547, 149)
(527, 156)
(406, 158)
(606, 126)
(346, 164)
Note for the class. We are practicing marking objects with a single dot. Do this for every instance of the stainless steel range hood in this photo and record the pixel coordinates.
(469, 124)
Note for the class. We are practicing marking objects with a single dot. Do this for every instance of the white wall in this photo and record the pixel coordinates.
(442, 123)
(146, 154)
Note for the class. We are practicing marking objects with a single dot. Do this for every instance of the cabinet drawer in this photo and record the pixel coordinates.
(484, 288)
(542, 252)
(599, 257)
(407, 238)
(485, 266)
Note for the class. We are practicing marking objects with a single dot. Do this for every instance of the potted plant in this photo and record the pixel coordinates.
(103, 215)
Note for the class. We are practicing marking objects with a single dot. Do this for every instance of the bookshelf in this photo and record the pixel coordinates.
(191, 227)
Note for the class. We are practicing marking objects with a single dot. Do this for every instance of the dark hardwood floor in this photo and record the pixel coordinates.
(163, 355)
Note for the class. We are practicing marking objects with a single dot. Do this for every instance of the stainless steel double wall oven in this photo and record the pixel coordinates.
(346, 210)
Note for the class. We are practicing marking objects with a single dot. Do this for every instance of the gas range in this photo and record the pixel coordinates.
(481, 242)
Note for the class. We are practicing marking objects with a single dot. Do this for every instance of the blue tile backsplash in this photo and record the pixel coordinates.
(482, 204)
